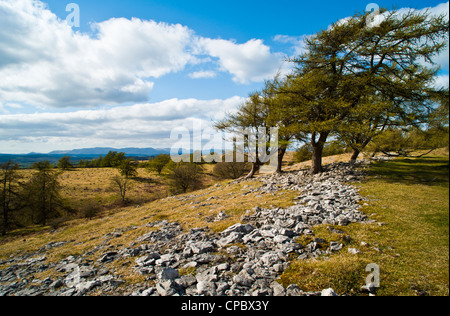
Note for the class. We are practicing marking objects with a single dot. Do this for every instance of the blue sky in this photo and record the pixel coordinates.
(134, 70)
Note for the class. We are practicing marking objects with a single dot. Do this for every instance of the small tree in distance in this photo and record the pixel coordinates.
(64, 163)
(43, 193)
(121, 185)
(185, 177)
(128, 168)
(158, 163)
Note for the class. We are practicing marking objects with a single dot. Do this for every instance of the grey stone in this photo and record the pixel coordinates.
(232, 238)
(270, 258)
(206, 288)
(84, 287)
(165, 260)
(280, 239)
(334, 246)
(201, 247)
(293, 290)
(244, 279)
(328, 292)
(165, 288)
(147, 260)
(354, 251)
(239, 228)
(209, 275)
(278, 289)
(149, 291)
(186, 281)
(168, 274)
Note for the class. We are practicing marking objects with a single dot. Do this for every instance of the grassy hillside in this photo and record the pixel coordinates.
(409, 199)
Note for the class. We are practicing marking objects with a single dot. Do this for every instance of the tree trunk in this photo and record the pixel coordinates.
(281, 153)
(255, 168)
(317, 160)
(317, 152)
(5, 222)
(355, 155)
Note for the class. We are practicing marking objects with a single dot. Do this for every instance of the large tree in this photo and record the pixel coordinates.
(350, 61)
(9, 191)
(255, 121)
(247, 122)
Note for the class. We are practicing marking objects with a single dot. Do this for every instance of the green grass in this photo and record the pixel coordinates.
(411, 197)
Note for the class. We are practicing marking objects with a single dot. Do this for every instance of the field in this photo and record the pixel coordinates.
(408, 197)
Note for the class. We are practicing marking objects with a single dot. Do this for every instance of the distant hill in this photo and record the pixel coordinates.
(26, 160)
(105, 150)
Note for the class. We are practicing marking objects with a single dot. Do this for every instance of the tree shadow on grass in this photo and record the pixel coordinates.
(430, 171)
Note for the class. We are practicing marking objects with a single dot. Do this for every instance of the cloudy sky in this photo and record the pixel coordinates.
(132, 71)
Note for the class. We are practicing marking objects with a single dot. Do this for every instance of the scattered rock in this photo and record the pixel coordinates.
(354, 251)
(245, 259)
(328, 292)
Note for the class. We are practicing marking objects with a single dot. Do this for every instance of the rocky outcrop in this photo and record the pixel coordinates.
(244, 259)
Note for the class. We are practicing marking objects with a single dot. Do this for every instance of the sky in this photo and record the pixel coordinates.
(133, 71)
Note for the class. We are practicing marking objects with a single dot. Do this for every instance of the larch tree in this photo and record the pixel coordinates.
(9, 192)
(350, 61)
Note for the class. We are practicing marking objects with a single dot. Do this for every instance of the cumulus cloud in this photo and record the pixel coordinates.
(146, 124)
(251, 61)
(44, 62)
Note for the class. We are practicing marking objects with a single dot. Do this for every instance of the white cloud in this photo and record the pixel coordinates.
(203, 74)
(298, 42)
(142, 125)
(442, 59)
(442, 81)
(45, 63)
(251, 61)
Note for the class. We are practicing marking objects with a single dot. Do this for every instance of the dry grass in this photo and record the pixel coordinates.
(414, 243)
(190, 210)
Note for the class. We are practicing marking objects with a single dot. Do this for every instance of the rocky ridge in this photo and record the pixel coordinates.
(244, 259)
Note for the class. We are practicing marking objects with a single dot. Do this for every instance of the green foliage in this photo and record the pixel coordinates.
(158, 163)
(128, 168)
(333, 148)
(64, 163)
(9, 193)
(121, 185)
(42, 194)
(90, 210)
(303, 153)
(112, 160)
(399, 142)
(354, 81)
(42, 166)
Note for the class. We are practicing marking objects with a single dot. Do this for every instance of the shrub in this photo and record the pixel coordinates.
(185, 177)
(231, 170)
(304, 153)
(158, 163)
